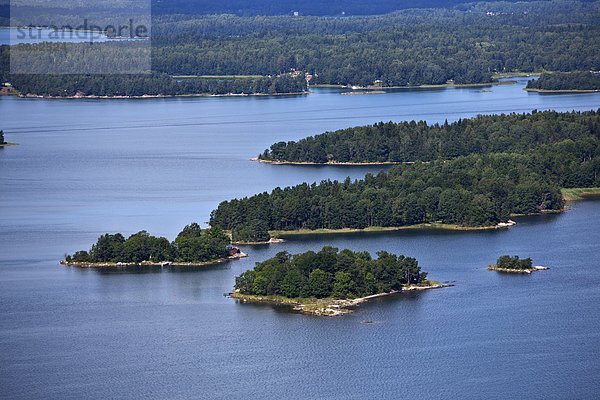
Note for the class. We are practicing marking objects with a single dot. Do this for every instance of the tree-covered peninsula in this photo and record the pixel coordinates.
(192, 246)
(566, 82)
(156, 84)
(479, 190)
(320, 282)
(419, 141)
(515, 265)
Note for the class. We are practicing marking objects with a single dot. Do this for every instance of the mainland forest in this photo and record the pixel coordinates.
(468, 43)
(330, 273)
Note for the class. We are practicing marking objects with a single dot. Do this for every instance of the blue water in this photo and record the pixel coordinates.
(85, 167)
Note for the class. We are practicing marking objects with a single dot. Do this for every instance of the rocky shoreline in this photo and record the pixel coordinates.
(270, 241)
(163, 264)
(155, 96)
(327, 307)
(518, 271)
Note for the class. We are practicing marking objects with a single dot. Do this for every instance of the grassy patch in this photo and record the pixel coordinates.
(573, 194)
(451, 227)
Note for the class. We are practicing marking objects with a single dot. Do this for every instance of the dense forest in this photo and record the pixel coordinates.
(473, 190)
(191, 245)
(419, 141)
(329, 273)
(566, 81)
(152, 85)
(467, 44)
(405, 48)
(508, 262)
(283, 7)
(236, 7)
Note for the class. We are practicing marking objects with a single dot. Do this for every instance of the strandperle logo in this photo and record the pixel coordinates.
(86, 31)
(107, 37)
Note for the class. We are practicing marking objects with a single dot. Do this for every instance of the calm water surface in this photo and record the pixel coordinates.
(83, 168)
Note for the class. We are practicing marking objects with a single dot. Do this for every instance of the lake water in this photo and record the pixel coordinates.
(85, 167)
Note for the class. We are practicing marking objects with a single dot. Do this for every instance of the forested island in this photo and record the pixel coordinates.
(193, 246)
(403, 142)
(467, 44)
(566, 82)
(475, 191)
(515, 265)
(329, 282)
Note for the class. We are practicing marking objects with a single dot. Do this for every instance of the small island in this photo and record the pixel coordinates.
(515, 265)
(566, 82)
(193, 247)
(4, 142)
(329, 283)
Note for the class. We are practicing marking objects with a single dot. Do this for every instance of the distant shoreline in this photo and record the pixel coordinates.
(158, 96)
(438, 86)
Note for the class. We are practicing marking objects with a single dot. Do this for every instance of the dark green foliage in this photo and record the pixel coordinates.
(191, 245)
(411, 47)
(474, 190)
(253, 231)
(509, 262)
(330, 273)
(2, 137)
(418, 141)
(284, 7)
(152, 85)
(566, 81)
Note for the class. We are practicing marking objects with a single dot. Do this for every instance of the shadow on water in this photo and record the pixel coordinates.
(156, 269)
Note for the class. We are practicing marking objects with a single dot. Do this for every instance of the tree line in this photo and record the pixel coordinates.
(473, 190)
(330, 273)
(192, 244)
(586, 80)
(413, 47)
(419, 141)
(508, 262)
